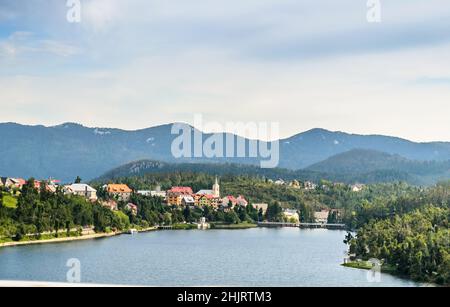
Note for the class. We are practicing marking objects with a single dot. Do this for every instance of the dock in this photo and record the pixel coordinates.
(303, 225)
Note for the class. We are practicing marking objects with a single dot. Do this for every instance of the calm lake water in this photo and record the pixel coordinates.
(251, 257)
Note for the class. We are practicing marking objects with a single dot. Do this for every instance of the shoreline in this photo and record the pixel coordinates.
(365, 266)
(71, 239)
(107, 235)
(60, 240)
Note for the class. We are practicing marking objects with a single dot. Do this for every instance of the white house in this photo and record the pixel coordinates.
(291, 215)
(81, 189)
(144, 192)
(149, 193)
(188, 201)
(310, 186)
(357, 187)
(280, 182)
(321, 216)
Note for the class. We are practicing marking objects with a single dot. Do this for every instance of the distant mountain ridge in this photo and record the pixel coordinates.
(349, 167)
(68, 150)
(362, 161)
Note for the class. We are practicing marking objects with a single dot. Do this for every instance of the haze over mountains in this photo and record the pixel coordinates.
(68, 150)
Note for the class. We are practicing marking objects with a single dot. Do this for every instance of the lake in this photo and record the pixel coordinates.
(250, 257)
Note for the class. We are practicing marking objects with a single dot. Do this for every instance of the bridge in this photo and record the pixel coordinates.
(302, 225)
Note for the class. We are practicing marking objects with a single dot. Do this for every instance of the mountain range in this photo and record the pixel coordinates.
(69, 150)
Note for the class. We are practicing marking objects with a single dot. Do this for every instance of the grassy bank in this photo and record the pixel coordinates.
(184, 226)
(50, 238)
(366, 265)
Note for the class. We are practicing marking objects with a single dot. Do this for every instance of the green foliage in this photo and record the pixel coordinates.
(416, 244)
(9, 200)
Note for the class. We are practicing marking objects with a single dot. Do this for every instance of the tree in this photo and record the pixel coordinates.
(274, 212)
(78, 179)
(231, 217)
(187, 214)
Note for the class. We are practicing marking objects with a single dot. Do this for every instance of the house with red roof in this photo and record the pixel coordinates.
(175, 195)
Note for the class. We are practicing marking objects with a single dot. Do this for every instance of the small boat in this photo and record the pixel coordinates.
(132, 231)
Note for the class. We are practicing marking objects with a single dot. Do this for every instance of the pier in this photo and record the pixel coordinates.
(165, 227)
(302, 225)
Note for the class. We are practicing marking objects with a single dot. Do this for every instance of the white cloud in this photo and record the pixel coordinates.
(25, 43)
(309, 63)
(100, 15)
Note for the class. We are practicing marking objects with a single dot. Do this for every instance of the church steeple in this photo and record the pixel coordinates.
(216, 188)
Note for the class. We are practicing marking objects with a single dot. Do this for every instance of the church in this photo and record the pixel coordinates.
(215, 192)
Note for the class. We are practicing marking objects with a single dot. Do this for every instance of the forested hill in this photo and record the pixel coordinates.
(358, 162)
(148, 167)
(68, 150)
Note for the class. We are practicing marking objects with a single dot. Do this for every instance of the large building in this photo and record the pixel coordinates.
(175, 195)
(120, 191)
(81, 189)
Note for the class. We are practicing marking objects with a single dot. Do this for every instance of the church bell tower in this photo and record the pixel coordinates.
(216, 188)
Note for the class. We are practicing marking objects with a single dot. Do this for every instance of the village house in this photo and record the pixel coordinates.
(175, 195)
(207, 200)
(81, 189)
(121, 191)
(310, 186)
(132, 208)
(110, 204)
(4, 182)
(153, 193)
(229, 200)
(321, 216)
(291, 215)
(187, 201)
(11, 183)
(162, 194)
(294, 184)
(146, 193)
(357, 187)
(241, 201)
(280, 182)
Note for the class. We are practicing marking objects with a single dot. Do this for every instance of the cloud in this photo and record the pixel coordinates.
(100, 15)
(304, 64)
(22, 43)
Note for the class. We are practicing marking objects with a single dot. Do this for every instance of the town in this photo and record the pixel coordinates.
(117, 196)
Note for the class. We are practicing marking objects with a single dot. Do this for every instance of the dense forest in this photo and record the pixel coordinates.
(415, 244)
(362, 166)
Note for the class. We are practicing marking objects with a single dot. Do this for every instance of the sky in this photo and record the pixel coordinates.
(301, 63)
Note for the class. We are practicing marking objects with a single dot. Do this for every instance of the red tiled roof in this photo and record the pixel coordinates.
(118, 188)
(181, 190)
